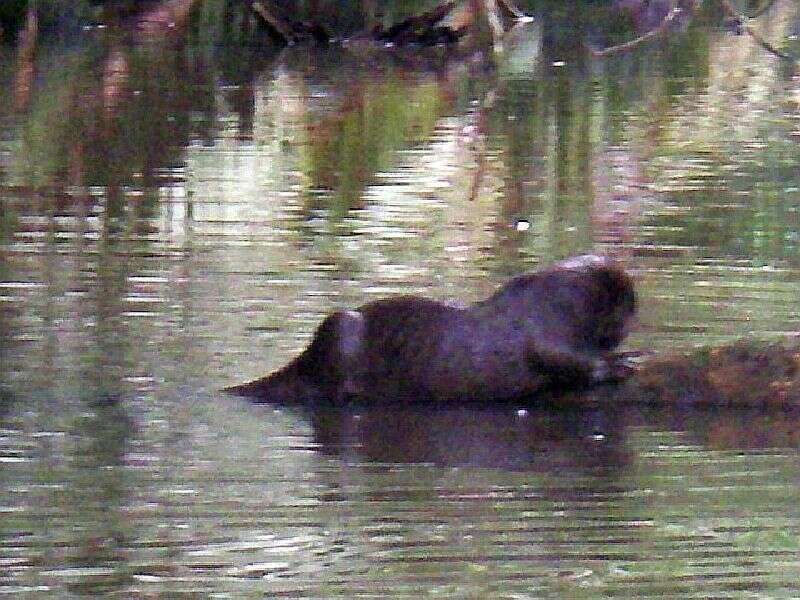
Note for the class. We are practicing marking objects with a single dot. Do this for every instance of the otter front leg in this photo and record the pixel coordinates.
(623, 365)
(566, 363)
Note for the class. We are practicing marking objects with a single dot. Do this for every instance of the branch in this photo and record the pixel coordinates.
(662, 27)
(280, 25)
(510, 9)
(745, 24)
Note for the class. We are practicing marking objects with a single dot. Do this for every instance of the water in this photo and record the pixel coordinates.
(177, 224)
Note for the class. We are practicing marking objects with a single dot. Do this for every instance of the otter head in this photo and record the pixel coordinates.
(611, 298)
(615, 306)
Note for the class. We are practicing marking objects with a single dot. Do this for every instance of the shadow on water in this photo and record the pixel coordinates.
(587, 434)
(535, 440)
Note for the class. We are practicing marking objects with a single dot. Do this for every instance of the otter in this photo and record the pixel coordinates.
(555, 328)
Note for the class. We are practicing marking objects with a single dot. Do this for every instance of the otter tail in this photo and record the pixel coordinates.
(255, 388)
(323, 372)
(286, 386)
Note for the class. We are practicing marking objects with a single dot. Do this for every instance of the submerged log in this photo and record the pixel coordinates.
(744, 373)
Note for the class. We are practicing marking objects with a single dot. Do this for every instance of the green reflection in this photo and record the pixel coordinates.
(377, 119)
(118, 130)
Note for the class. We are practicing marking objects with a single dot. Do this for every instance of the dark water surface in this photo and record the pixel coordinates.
(175, 220)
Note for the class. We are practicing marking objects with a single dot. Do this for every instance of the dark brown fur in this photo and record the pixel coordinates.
(556, 327)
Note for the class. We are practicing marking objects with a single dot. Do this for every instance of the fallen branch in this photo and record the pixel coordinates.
(744, 22)
(744, 373)
(510, 10)
(280, 25)
(662, 27)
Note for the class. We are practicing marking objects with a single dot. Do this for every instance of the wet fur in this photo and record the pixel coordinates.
(552, 328)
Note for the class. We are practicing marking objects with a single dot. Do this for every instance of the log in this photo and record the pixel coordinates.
(744, 373)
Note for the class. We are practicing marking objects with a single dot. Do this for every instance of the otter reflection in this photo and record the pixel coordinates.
(534, 439)
(594, 440)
